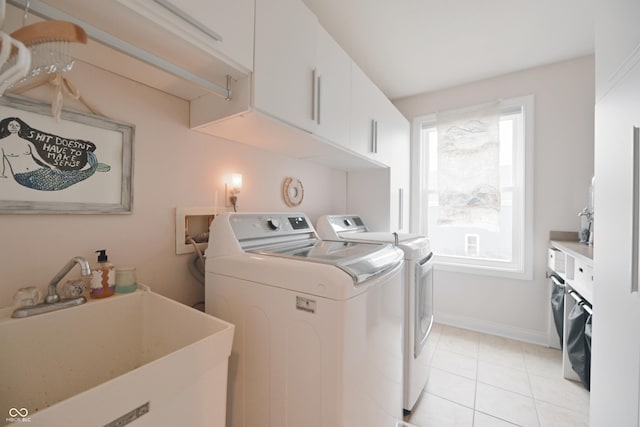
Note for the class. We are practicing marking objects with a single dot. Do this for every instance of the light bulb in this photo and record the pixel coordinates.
(235, 183)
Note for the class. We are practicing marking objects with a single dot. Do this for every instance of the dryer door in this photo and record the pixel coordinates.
(424, 303)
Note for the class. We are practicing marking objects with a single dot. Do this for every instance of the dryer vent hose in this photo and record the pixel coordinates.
(196, 268)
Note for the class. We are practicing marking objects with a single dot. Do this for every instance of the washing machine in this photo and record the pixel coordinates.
(318, 339)
(418, 300)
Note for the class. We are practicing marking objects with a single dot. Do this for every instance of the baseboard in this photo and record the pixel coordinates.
(493, 328)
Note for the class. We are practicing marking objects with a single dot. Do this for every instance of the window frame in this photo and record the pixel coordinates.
(522, 265)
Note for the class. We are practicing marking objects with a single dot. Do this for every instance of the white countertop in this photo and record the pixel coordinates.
(576, 249)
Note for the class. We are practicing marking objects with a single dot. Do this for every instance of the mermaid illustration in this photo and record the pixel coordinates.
(44, 161)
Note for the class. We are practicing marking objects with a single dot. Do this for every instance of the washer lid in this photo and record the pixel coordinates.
(360, 260)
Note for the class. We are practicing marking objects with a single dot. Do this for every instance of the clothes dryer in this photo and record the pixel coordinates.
(318, 338)
(418, 300)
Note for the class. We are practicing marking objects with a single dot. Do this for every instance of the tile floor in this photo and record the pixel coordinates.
(480, 380)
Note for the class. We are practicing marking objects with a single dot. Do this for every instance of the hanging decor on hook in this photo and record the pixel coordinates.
(48, 44)
(292, 191)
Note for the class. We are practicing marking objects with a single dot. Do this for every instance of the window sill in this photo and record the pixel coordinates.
(482, 270)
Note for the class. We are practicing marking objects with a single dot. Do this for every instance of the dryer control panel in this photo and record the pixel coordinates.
(331, 226)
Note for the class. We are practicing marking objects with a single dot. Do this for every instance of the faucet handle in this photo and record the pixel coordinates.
(586, 212)
(27, 297)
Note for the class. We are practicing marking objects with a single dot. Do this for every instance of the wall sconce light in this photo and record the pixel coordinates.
(232, 188)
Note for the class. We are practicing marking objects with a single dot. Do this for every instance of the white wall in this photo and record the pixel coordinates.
(563, 167)
(174, 167)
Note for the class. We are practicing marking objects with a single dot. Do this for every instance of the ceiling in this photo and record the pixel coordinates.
(414, 46)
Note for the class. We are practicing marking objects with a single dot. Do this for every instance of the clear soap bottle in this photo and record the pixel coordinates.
(103, 280)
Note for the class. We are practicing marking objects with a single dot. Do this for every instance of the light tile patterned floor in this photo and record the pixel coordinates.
(480, 380)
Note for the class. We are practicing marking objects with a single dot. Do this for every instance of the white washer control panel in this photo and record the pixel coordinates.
(257, 226)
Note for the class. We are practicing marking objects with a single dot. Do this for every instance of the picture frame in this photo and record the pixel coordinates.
(82, 164)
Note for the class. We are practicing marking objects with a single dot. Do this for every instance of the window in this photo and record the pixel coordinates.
(506, 250)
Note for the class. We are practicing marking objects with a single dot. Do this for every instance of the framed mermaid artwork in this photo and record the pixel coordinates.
(82, 164)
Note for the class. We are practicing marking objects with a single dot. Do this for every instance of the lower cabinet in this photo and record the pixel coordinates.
(570, 265)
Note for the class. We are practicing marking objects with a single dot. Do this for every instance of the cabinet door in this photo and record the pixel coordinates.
(232, 20)
(392, 129)
(615, 371)
(394, 140)
(285, 55)
(364, 113)
(333, 90)
(217, 26)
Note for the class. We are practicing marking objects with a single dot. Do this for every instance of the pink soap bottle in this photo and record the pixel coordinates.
(103, 280)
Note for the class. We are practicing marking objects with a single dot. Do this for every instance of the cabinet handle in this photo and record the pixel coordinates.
(374, 136)
(314, 94)
(318, 104)
(189, 20)
(635, 230)
(401, 208)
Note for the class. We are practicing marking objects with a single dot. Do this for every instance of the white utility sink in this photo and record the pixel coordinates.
(93, 364)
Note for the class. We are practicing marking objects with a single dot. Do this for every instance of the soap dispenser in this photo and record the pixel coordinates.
(103, 281)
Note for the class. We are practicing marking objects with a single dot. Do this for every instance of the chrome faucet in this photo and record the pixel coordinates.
(52, 301)
(586, 226)
(85, 270)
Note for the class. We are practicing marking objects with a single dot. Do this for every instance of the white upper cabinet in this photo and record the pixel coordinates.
(301, 76)
(260, 72)
(305, 97)
(375, 121)
(333, 86)
(221, 27)
(285, 60)
(365, 113)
